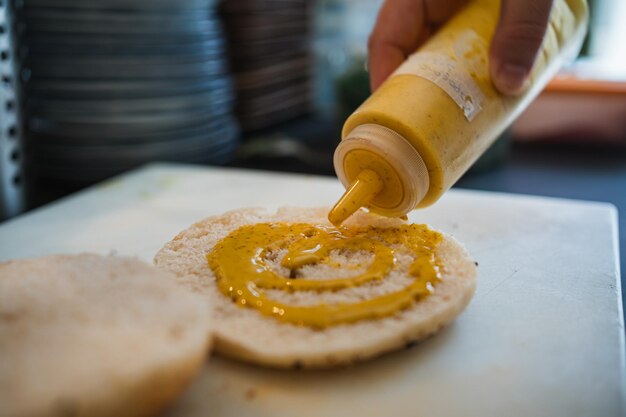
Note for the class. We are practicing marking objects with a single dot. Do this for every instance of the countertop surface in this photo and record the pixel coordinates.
(543, 335)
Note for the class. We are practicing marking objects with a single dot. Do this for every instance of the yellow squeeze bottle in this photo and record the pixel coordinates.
(438, 112)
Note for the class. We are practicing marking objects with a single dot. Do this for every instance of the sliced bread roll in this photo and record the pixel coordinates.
(243, 333)
(89, 335)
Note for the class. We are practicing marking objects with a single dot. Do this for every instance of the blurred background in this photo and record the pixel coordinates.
(93, 88)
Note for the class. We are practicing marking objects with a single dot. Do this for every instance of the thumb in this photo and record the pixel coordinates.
(516, 42)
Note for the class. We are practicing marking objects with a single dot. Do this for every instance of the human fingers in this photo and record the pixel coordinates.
(516, 42)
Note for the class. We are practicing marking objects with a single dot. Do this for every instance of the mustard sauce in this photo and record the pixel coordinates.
(242, 263)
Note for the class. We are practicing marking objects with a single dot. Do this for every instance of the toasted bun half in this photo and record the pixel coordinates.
(89, 335)
(243, 333)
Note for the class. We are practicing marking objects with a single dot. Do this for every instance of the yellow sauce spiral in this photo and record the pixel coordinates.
(243, 271)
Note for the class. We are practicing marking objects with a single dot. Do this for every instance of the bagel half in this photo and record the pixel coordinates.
(244, 334)
(88, 335)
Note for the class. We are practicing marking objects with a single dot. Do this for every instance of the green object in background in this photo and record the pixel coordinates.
(495, 156)
(584, 51)
(353, 88)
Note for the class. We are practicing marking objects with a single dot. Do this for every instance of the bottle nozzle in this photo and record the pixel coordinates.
(361, 191)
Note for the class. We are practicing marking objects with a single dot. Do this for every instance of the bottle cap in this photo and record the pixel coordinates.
(394, 149)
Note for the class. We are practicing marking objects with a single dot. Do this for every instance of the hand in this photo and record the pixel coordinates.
(403, 25)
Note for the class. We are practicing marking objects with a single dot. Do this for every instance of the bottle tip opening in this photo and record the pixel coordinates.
(361, 191)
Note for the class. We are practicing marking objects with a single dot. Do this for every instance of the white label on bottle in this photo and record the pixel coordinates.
(448, 74)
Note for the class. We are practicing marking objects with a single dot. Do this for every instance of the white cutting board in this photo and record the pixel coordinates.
(543, 335)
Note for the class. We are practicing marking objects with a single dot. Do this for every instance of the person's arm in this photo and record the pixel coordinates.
(403, 25)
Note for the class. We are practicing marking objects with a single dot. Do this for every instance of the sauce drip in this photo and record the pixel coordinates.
(242, 263)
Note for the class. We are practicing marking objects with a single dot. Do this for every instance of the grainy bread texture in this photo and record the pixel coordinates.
(245, 334)
(95, 336)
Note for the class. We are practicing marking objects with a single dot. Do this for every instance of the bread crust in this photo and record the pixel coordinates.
(246, 335)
